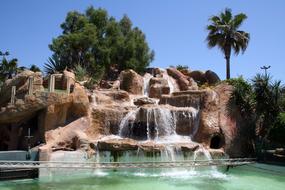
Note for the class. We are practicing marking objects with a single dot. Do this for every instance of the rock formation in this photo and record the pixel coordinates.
(162, 111)
(131, 82)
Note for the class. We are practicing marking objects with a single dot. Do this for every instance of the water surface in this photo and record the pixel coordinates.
(257, 176)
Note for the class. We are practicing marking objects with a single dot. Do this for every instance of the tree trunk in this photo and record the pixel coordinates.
(228, 67)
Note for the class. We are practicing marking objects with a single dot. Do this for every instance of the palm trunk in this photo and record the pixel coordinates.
(228, 67)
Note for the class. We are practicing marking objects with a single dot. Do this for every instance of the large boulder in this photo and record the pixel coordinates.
(70, 137)
(21, 83)
(67, 75)
(181, 79)
(153, 71)
(184, 82)
(157, 87)
(117, 145)
(112, 96)
(106, 120)
(80, 101)
(198, 76)
(201, 77)
(211, 77)
(143, 101)
(131, 82)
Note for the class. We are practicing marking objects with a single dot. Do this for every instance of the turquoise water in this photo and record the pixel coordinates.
(257, 176)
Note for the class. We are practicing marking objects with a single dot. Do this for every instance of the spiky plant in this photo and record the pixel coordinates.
(54, 65)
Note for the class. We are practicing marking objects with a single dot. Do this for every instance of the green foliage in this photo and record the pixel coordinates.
(262, 103)
(35, 68)
(225, 34)
(182, 67)
(277, 132)
(99, 43)
(268, 97)
(8, 68)
(53, 65)
(242, 96)
(80, 73)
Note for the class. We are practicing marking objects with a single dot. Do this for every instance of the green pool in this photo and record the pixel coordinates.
(257, 176)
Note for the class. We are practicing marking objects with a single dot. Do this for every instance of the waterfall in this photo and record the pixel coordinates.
(171, 81)
(195, 121)
(146, 79)
(93, 97)
(124, 124)
(157, 122)
(207, 156)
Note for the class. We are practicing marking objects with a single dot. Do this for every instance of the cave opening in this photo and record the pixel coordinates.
(216, 142)
(13, 136)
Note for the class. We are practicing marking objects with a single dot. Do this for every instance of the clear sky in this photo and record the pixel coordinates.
(175, 30)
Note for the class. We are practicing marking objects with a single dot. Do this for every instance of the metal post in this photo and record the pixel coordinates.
(265, 69)
(13, 95)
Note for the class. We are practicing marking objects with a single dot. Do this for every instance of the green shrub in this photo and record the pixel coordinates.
(80, 73)
(277, 132)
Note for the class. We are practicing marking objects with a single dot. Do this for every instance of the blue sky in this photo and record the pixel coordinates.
(175, 30)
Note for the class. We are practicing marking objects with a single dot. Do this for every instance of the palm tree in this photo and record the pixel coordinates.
(224, 33)
(8, 68)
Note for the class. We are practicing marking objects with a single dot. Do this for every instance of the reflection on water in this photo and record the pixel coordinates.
(245, 177)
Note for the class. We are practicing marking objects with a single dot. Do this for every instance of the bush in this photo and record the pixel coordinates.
(277, 132)
(182, 67)
(80, 73)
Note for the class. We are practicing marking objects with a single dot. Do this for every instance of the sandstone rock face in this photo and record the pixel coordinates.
(182, 80)
(117, 145)
(67, 75)
(131, 82)
(106, 97)
(106, 120)
(144, 101)
(21, 83)
(190, 98)
(43, 111)
(157, 87)
(69, 137)
(154, 71)
(127, 144)
(212, 77)
(80, 101)
(198, 76)
(193, 84)
(217, 128)
(201, 77)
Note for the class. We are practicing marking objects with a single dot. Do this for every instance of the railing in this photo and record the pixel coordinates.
(116, 165)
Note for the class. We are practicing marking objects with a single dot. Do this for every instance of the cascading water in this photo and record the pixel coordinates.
(158, 123)
(146, 80)
(171, 82)
(94, 101)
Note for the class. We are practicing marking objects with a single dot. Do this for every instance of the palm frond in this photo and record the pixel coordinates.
(238, 20)
(226, 16)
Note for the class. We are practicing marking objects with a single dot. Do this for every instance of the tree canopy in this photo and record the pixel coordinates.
(225, 34)
(99, 43)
